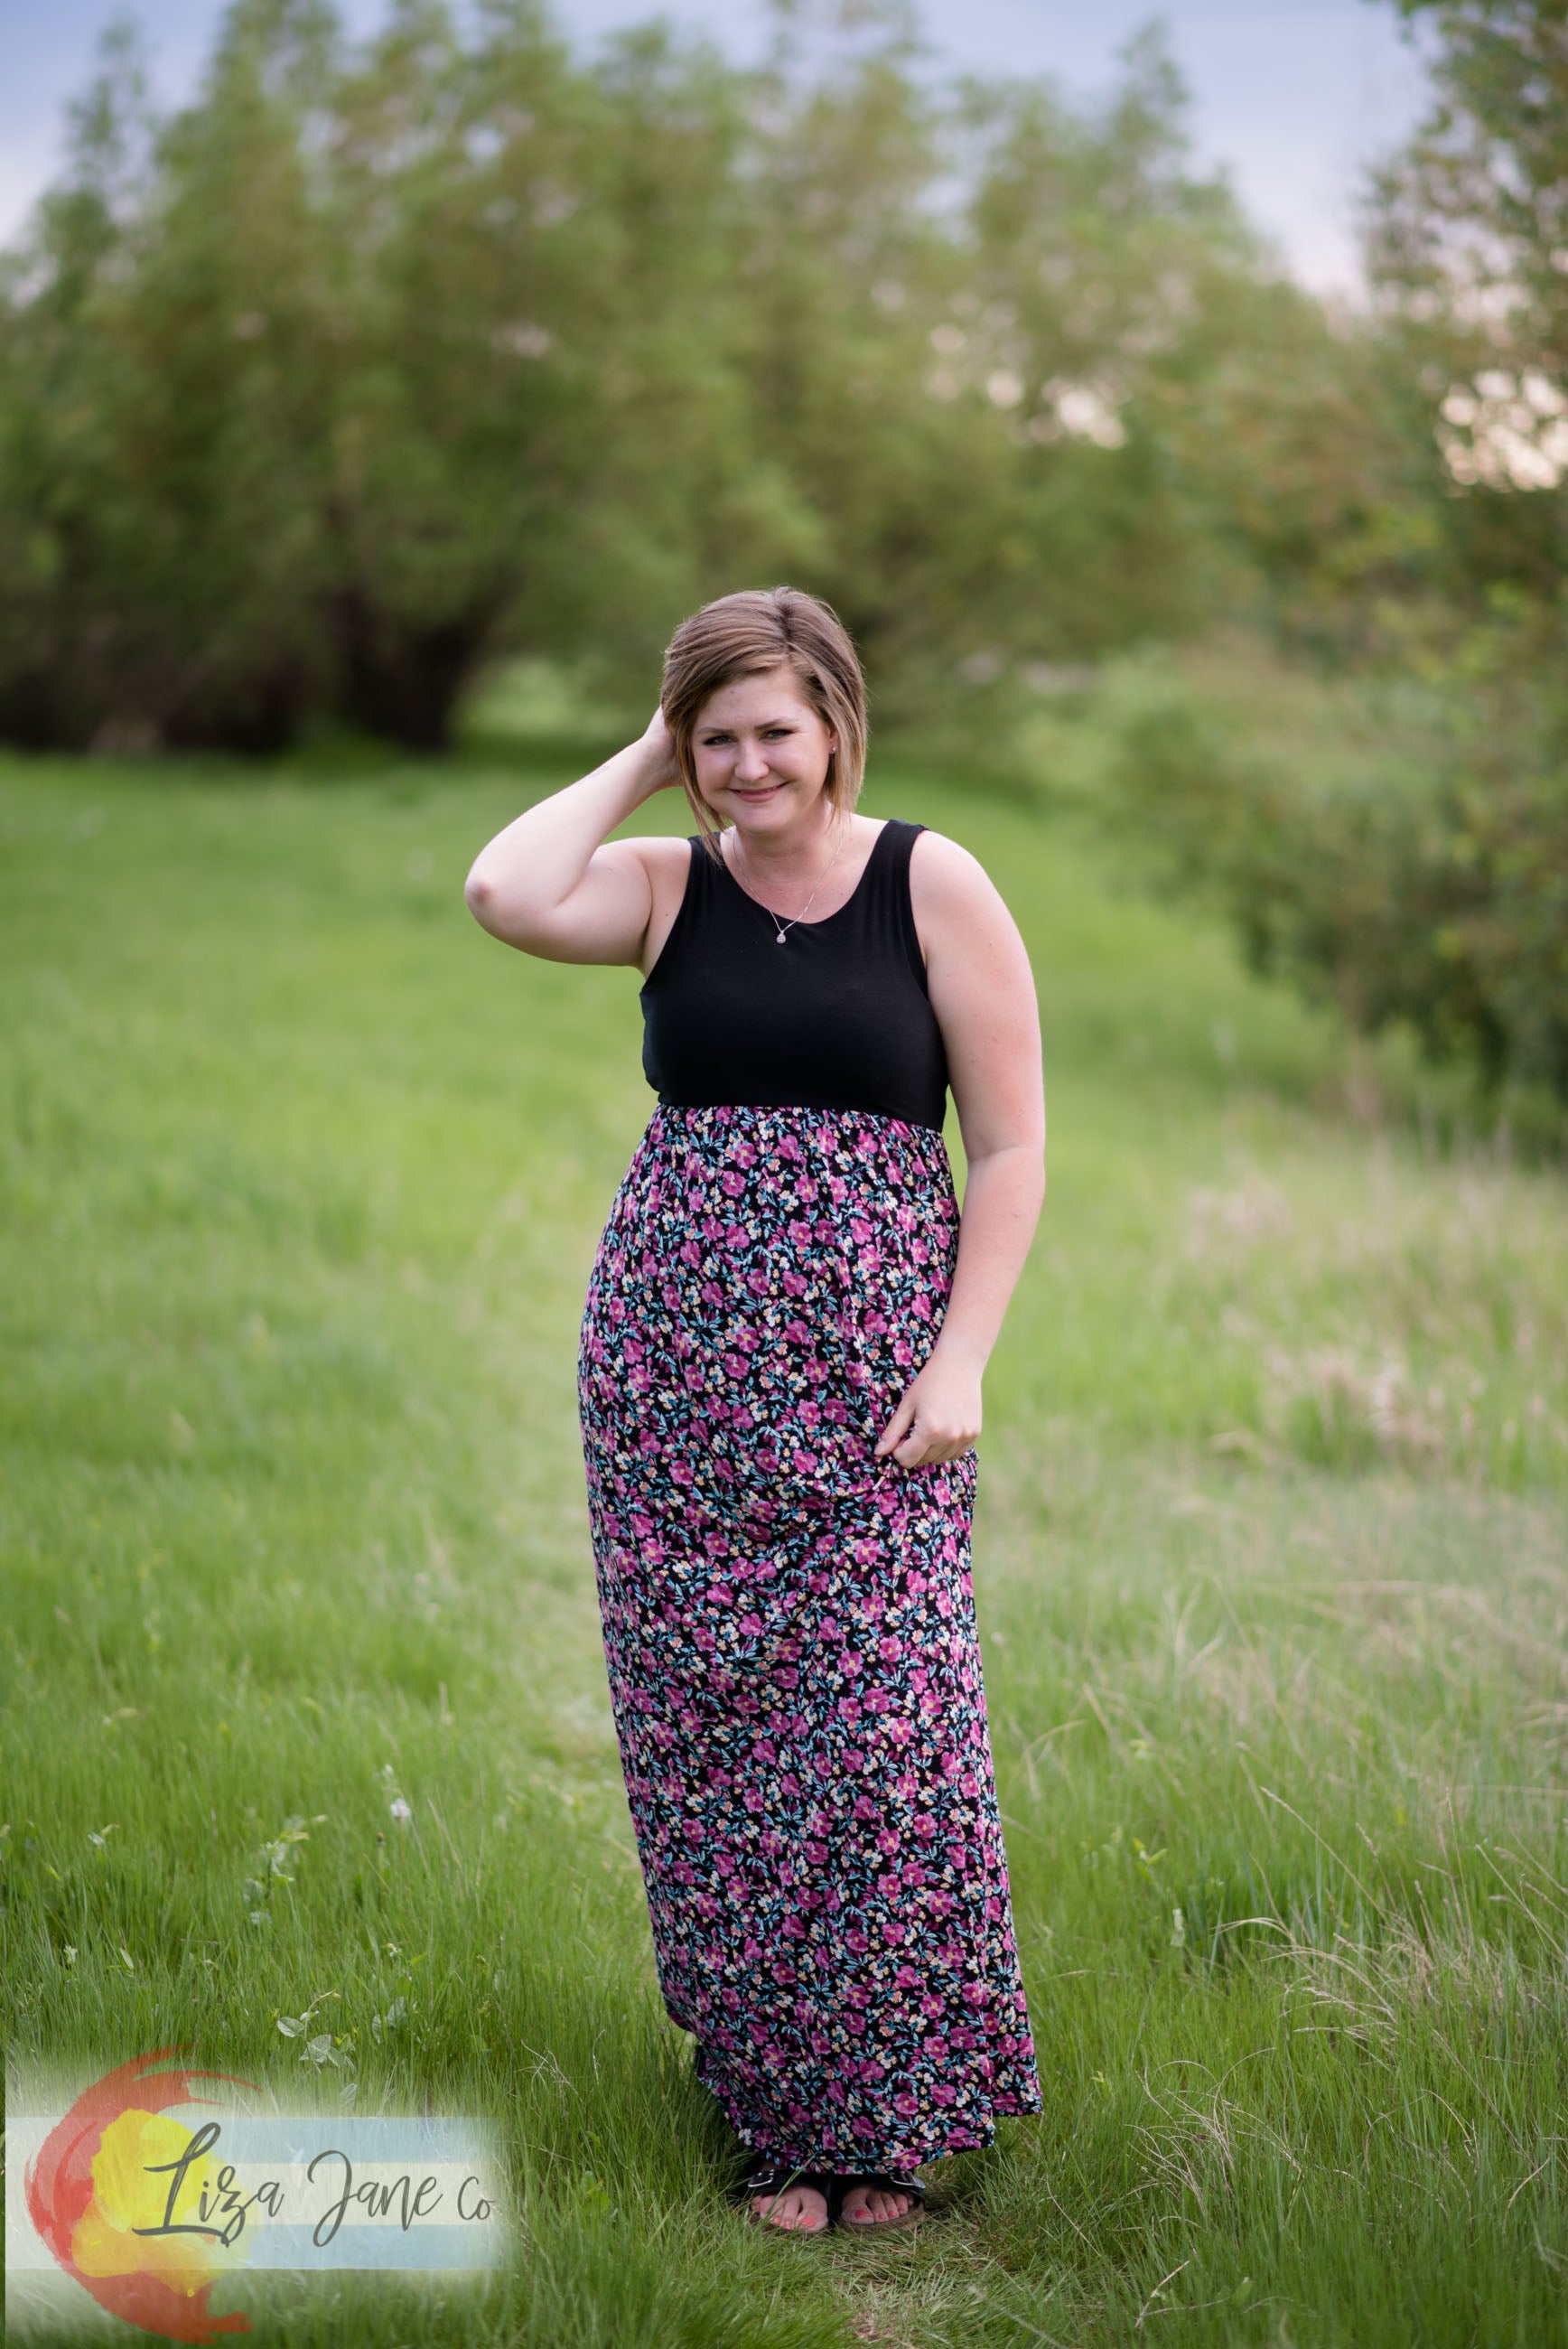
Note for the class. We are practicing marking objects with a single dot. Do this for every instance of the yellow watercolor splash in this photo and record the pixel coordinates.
(124, 2197)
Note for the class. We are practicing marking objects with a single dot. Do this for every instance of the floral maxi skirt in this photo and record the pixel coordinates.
(789, 1633)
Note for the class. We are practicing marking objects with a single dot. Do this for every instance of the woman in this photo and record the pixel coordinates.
(779, 1381)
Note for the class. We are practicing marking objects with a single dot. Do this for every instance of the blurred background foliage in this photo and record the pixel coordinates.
(383, 364)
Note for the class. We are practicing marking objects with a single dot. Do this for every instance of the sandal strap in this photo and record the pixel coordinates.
(778, 2179)
(885, 2182)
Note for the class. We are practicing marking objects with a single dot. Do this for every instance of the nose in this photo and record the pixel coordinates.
(751, 765)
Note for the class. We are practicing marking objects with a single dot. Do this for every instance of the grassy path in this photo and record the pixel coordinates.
(300, 1180)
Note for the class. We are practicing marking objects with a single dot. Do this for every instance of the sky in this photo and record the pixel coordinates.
(1294, 99)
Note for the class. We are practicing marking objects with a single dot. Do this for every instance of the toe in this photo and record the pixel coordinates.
(872, 2205)
(797, 2210)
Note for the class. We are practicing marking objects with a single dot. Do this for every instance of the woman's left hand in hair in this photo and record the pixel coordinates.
(939, 1415)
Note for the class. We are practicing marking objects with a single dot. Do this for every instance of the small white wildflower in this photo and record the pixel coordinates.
(401, 1812)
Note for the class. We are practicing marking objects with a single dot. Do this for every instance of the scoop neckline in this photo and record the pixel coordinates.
(822, 919)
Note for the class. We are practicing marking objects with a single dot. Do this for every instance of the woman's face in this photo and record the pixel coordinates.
(761, 752)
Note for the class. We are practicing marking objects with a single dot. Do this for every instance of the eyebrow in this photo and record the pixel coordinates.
(714, 727)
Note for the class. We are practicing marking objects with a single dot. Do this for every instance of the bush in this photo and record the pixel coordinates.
(1426, 884)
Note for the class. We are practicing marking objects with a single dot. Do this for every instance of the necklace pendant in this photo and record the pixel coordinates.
(780, 939)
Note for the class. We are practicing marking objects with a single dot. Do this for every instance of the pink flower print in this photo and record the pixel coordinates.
(818, 1344)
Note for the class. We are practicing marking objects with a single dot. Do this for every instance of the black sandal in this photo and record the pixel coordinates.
(878, 2180)
(774, 2182)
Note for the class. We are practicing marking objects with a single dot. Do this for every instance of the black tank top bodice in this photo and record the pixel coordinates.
(837, 1018)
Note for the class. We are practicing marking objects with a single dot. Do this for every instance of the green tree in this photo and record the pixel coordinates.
(1468, 234)
(386, 360)
(378, 360)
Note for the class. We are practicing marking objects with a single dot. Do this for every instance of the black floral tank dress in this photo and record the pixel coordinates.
(789, 1622)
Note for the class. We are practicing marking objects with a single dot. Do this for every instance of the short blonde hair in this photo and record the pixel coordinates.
(747, 635)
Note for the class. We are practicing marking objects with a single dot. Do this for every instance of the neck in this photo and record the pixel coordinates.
(782, 857)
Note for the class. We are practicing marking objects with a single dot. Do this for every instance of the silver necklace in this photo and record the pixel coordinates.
(780, 931)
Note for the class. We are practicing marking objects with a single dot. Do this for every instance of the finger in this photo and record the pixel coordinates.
(916, 1458)
(896, 1431)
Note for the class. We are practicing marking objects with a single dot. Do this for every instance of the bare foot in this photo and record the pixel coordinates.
(801, 2209)
(866, 2206)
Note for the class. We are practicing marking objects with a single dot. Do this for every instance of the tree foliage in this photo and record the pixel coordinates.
(1418, 874)
(379, 359)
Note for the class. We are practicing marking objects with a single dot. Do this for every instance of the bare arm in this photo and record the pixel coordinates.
(554, 885)
(983, 992)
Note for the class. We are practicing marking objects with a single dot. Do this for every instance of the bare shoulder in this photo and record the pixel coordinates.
(950, 889)
(659, 854)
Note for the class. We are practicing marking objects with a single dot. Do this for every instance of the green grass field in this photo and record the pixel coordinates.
(301, 1176)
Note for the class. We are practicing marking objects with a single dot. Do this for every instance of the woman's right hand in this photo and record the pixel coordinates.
(656, 742)
(555, 884)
